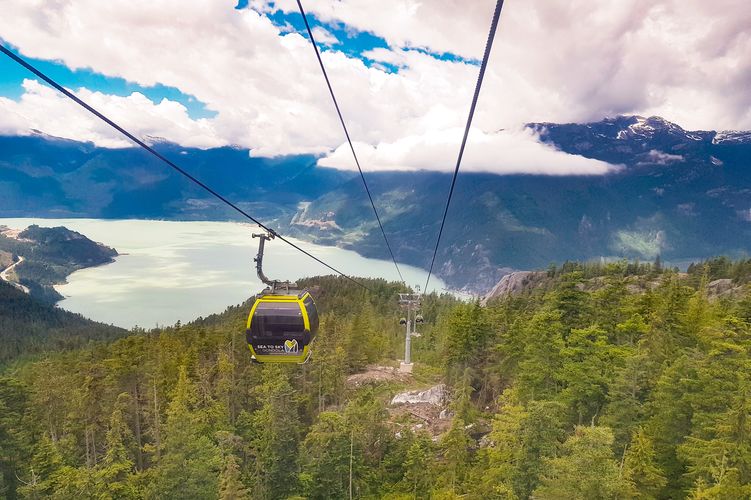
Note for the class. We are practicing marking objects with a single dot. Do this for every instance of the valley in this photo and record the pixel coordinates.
(682, 195)
(399, 250)
(170, 271)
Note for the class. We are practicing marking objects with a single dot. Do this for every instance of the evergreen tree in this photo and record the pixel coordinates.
(586, 470)
(462, 404)
(627, 392)
(15, 442)
(43, 475)
(419, 468)
(651, 356)
(372, 438)
(329, 366)
(455, 446)
(500, 461)
(657, 264)
(572, 302)
(230, 483)
(640, 468)
(668, 335)
(587, 371)
(541, 358)
(610, 305)
(79, 482)
(115, 469)
(467, 338)
(274, 435)
(189, 464)
(362, 345)
(223, 409)
(670, 422)
(720, 463)
(630, 383)
(542, 432)
(326, 457)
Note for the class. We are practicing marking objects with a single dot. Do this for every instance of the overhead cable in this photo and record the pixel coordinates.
(159, 156)
(346, 133)
(483, 67)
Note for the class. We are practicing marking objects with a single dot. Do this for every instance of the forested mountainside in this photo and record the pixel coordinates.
(29, 327)
(46, 176)
(44, 257)
(611, 381)
(679, 194)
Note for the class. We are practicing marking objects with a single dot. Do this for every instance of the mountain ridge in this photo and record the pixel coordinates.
(674, 188)
(680, 194)
(43, 257)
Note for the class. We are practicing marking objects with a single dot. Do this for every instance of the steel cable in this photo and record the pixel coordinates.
(346, 133)
(159, 156)
(483, 67)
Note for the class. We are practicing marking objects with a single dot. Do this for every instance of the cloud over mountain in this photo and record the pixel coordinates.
(503, 152)
(560, 61)
(43, 108)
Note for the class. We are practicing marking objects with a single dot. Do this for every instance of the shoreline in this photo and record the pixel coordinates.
(167, 271)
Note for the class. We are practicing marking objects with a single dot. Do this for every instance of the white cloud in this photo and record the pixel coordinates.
(517, 152)
(43, 108)
(576, 60)
(264, 84)
(324, 36)
(381, 54)
(557, 60)
(660, 158)
(410, 23)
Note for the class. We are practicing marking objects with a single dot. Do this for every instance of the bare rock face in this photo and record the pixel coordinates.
(723, 288)
(424, 410)
(436, 395)
(515, 283)
(717, 287)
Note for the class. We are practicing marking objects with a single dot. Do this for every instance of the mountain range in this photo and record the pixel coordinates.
(682, 195)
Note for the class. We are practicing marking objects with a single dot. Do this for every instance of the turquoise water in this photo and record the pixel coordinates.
(171, 271)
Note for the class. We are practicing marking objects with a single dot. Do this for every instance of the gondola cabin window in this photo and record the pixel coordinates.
(281, 327)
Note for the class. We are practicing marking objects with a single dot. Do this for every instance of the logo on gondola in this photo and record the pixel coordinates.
(291, 347)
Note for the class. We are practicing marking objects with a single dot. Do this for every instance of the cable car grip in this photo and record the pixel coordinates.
(272, 284)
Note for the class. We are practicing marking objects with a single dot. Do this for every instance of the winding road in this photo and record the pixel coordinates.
(4, 275)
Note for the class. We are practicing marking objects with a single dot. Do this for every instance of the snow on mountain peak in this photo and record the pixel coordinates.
(732, 137)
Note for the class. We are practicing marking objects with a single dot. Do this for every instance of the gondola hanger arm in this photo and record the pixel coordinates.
(272, 284)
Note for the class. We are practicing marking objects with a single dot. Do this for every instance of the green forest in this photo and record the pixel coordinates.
(29, 325)
(611, 381)
(51, 254)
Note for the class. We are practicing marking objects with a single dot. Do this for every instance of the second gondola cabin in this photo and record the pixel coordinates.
(281, 327)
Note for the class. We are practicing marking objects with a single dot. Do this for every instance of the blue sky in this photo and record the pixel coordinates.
(352, 42)
(12, 76)
(245, 82)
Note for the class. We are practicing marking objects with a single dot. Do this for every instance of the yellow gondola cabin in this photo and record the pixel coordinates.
(281, 327)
